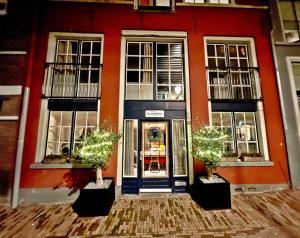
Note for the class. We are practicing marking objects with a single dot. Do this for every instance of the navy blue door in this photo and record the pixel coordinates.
(154, 155)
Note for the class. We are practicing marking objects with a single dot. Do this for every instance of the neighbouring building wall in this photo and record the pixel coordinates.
(286, 53)
(110, 20)
(16, 29)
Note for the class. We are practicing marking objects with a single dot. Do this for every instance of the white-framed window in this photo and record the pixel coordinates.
(290, 16)
(154, 71)
(154, 5)
(71, 92)
(241, 129)
(230, 71)
(139, 70)
(234, 95)
(66, 127)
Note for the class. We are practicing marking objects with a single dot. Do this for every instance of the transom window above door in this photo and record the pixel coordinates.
(154, 71)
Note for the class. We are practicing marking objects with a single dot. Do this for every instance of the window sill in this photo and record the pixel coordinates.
(285, 43)
(230, 5)
(247, 164)
(59, 166)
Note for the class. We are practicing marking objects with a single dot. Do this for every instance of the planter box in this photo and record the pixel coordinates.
(95, 202)
(229, 159)
(252, 159)
(212, 195)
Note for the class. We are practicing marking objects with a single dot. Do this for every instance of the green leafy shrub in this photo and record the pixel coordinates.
(97, 147)
(208, 146)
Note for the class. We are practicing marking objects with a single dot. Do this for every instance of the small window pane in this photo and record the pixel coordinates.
(84, 76)
(96, 48)
(59, 133)
(86, 47)
(95, 76)
(163, 77)
(216, 119)
(243, 63)
(242, 148)
(132, 92)
(226, 117)
(65, 134)
(162, 49)
(66, 118)
(212, 62)
(132, 76)
(176, 92)
(229, 147)
(210, 50)
(133, 63)
(176, 63)
(232, 51)
(162, 92)
(133, 48)
(179, 148)
(62, 47)
(220, 51)
(131, 148)
(221, 63)
(96, 60)
(253, 148)
(85, 60)
(146, 92)
(175, 50)
(146, 63)
(146, 49)
(234, 63)
(162, 63)
(242, 51)
(250, 118)
(176, 78)
(146, 77)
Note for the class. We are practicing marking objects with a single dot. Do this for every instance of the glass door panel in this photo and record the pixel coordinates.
(155, 157)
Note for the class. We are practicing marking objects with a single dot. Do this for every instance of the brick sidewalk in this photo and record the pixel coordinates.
(275, 214)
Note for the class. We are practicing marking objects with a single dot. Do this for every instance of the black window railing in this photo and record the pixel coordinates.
(69, 80)
(233, 83)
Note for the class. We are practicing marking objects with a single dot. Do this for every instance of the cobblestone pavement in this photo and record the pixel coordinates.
(274, 214)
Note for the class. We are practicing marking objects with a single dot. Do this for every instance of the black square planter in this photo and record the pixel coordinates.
(94, 202)
(212, 195)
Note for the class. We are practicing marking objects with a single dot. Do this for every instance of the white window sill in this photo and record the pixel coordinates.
(59, 166)
(285, 43)
(247, 164)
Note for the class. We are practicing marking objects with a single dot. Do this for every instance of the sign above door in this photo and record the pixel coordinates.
(155, 113)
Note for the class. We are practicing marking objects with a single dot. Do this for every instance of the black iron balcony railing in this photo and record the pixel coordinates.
(69, 80)
(233, 83)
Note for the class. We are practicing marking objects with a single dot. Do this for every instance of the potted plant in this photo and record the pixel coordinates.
(213, 191)
(95, 151)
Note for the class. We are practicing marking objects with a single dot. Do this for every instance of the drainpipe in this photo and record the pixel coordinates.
(26, 94)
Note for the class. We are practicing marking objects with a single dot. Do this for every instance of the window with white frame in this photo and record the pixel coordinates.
(71, 93)
(154, 5)
(241, 130)
(234, 95)
(290, 15)
(154, 71)
(230, 72)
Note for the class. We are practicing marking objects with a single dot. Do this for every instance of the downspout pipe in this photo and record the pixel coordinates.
(23, 121)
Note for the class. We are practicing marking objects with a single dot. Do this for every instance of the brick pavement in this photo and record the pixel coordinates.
(274, 214)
